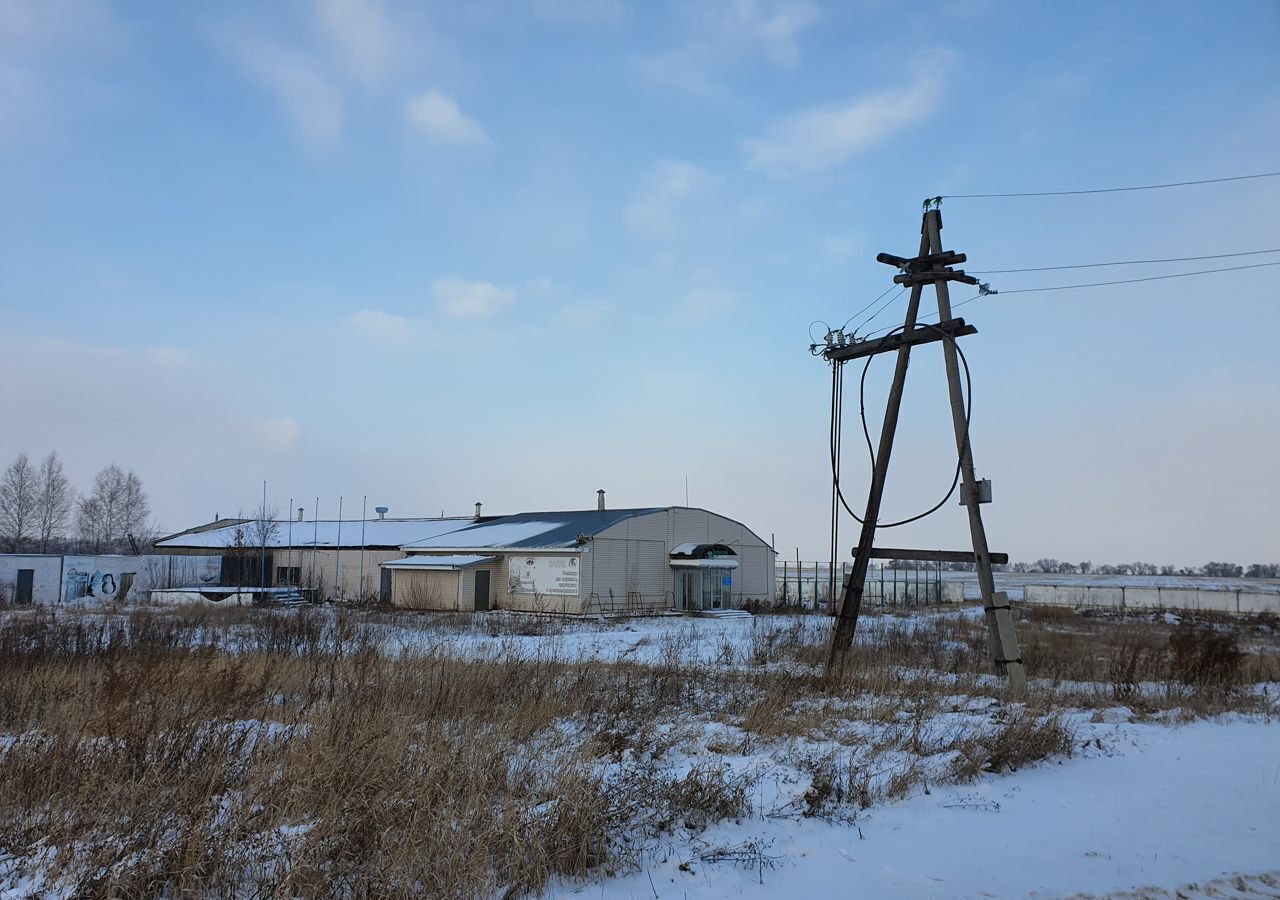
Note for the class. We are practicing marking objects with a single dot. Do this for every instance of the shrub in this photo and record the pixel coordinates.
(1205, 659)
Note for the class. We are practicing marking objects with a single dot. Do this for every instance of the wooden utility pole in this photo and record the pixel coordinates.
(931, 266)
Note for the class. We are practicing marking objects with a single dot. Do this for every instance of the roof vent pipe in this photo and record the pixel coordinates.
(477, 509)
(299, 513)
(381, 511)
(600, 499)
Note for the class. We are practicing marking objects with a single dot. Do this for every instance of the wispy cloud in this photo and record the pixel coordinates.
(40, 40)
(657, 207)
(278, 433)
(381, 326)
(584, 313)
(461, 299)
(721, 33)
(362, 37)
(306, 96)
(438, 118)
(826, 136)
(591, 12)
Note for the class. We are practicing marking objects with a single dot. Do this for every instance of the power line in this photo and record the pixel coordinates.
(867, 307)
(1114, 190)
(1126, 262)
(883, 306)
(1068, 287)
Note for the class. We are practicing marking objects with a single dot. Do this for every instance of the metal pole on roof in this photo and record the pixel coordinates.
(262, 532)
(337, 557)
(315, 540)
(364, 514)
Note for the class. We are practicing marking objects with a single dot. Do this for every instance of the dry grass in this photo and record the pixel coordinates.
(247, 752)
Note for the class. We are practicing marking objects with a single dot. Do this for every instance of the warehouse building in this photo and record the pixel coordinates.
(578, 562)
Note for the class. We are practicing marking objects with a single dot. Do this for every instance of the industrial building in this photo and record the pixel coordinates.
(569, 562)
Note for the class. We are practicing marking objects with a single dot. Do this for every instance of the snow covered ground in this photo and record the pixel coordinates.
(1138, 806)
(1157, 803)
(1142, 806)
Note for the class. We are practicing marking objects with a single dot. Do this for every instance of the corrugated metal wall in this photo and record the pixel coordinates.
(628, 565)
(317, 567)
(426, 590)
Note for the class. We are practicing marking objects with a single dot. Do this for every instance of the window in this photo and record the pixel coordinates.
(289, 575)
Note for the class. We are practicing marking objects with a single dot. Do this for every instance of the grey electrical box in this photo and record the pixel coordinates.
(982, 488)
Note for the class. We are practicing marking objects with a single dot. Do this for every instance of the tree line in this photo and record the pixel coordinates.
(42, 512)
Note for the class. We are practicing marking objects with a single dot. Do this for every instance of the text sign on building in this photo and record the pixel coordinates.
(555, 576)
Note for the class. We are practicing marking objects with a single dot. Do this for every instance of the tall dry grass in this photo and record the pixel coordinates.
(272, 753)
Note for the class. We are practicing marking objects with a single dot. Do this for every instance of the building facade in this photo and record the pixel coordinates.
(579, 562)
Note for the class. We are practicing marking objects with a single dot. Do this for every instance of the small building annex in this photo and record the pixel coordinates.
(577, 562)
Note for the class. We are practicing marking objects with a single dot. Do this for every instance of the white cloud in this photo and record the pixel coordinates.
(656, 208)
(774, 27)
(584, 314)
(278, 434)
(593, 12)
(41, 42)
(826, 136)
(727, 31)
(439, 118)
(362, 37)
(306, 96)
(470, 299)
(170, 357)
(381, 326)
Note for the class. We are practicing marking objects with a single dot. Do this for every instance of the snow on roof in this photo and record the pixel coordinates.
(530, 531)
(437, 562)
(377, 533)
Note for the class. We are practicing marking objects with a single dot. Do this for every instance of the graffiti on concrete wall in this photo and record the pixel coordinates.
(107, 587)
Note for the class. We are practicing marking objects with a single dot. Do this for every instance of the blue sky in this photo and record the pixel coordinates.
(515, 252)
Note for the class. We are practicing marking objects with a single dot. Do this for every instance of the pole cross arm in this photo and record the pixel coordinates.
(920, 263)
(930, 276)
(964, 556)
(952, 328)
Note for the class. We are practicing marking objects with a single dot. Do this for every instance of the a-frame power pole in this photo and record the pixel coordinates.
(932, 265)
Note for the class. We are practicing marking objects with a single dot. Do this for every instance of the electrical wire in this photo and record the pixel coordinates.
(883, 306)
(837, 414)
(1141, 187)
(1068, 287)
(1126, 262)
(817, 322)
(867, 307)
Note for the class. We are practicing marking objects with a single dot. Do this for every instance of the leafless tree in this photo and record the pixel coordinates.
(17, 503)
(249, 544)
(115, 513)
(55, 498)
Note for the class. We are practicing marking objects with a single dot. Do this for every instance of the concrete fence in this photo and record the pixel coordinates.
(1238, 600)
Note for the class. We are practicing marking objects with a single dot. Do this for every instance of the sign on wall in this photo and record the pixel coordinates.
(555, 576)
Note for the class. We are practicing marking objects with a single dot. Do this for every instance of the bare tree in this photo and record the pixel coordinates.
(55, 498)
(17, 503)
(115, 513)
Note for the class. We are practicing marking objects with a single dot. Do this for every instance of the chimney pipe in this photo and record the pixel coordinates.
(600, 499)
(477, 509)
(299, 513)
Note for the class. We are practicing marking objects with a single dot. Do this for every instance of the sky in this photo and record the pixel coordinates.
(437, 253)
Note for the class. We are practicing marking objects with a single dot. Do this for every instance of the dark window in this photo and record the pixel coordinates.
(289, 575)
